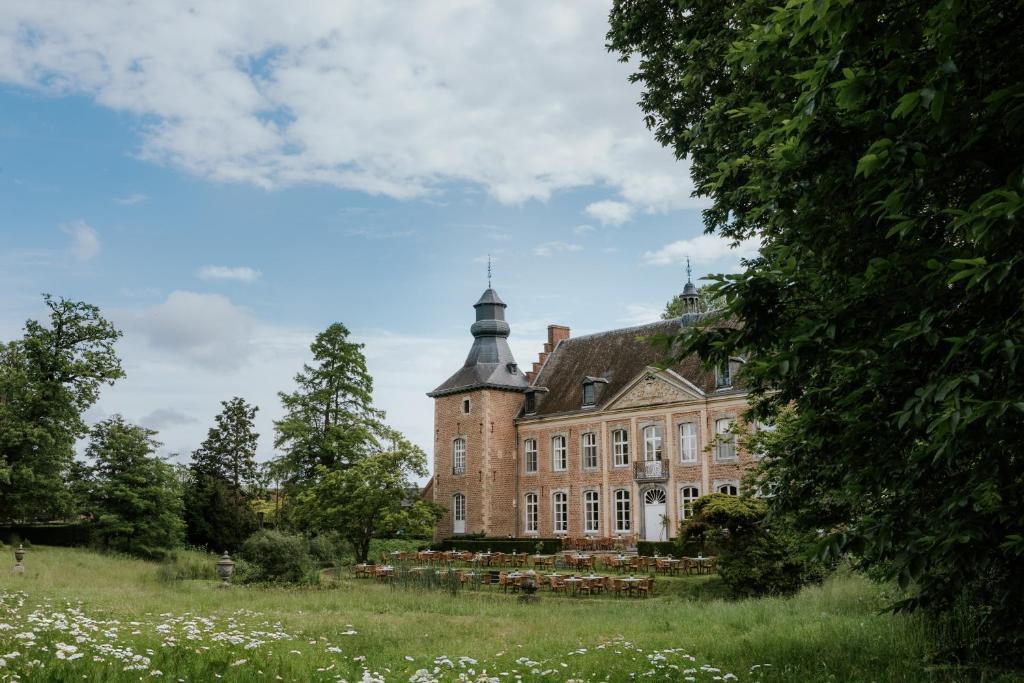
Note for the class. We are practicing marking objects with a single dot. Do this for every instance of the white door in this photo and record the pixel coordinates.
(654, 512)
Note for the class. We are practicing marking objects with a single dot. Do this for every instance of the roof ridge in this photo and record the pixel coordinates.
(627, 329)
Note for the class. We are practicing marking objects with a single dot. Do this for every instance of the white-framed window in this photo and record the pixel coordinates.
(620, 447)
(530, 509)
(723, 375)
(589, 449)
(762, 427)
(729, 489)
(623, 512)
(687, 495)
(591, 512)
(560, 512)
(725, 440)
(688, 442)
(559, 454)
(652, 442)
(530, 455)
(459, 513)
(459, 456)
(465, 406)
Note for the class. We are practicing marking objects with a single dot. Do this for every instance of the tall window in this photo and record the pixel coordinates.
(623, 512)
(729, 489)
(590, 451)
(465, 406)
(652, 442)
(591, 512)
(723, 376)
(459, 513)
(725, 440)
(762, 427)
(687, 495)
(559, 454)
(530, 403)
(588, 394)
(620, 447)
(531, 508)
(688, 442)
(530, 455)
(560, 509)
(459, 456)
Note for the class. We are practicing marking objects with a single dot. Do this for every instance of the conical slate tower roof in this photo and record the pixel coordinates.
(490, 364)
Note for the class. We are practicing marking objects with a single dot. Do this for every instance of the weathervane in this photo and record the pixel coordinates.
(488, 271)
(688, 278)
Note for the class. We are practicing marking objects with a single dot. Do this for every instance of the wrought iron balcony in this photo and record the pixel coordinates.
(650, 470)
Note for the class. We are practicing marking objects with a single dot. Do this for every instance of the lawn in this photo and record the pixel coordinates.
(78, 615)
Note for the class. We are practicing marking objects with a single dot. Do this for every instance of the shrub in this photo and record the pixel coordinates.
(276, 556)
(649, 548)
(500, 545)
(325, 550)
(187, 566)
(756, 555)
(63, 535)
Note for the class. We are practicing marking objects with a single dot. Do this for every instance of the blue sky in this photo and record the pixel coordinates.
(225, 200)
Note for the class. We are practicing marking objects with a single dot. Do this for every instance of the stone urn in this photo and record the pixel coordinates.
(225, 568)
(19, 555)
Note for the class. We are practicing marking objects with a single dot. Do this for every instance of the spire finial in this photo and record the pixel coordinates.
(488, 271)
(688, 278)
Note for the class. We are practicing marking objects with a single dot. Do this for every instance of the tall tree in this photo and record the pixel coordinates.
(47, 380)
(329, 419)
(135, 495)
(222, 481)
(375, 496)
(875, 149)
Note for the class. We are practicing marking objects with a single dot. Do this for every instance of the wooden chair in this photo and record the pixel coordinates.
(643, 588)
(619, 587)
(557, 584)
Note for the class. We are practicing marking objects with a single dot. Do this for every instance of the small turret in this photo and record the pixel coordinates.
(690, 297)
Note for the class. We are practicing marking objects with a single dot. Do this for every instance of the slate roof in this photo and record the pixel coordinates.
(618, 356)
(490, 364)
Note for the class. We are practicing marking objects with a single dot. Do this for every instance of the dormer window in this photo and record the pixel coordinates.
(530, 404)
(512, 368)
(723, 376)
(589, 395)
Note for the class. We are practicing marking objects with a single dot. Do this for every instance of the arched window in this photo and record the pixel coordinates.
(459, 513)
(729, 489)
(560, 508)
(591, 512)
(654, 497)
(620, 447)
(623, 512)
(530, 455)
(725, 440)
(459, 456)
(589, 443)
(531, 511)
(559, 454)
(652, 443)
(687, 495)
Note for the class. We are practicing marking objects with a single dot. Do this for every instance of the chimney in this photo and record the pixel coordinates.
(556, 333)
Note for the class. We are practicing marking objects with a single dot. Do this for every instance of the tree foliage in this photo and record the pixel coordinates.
(376, 496)
(223, 479)
(136, 497)
(48, 378)
(708, 301)
(875, 150)
(329, 419)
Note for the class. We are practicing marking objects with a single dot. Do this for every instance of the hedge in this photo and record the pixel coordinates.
(500, 545)
(649, 548)
(63, 535)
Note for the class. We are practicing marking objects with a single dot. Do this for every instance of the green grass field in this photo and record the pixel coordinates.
(78, 615)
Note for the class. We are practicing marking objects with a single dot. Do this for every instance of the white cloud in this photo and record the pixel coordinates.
(609, 212)
(165, 417)
(85, 242)
(705, 252)
(239, 273)
(378, 234)
(206, 330)
(131, 199)
(521, 99)
(639, 314)
(583, 229)
(548, 249)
